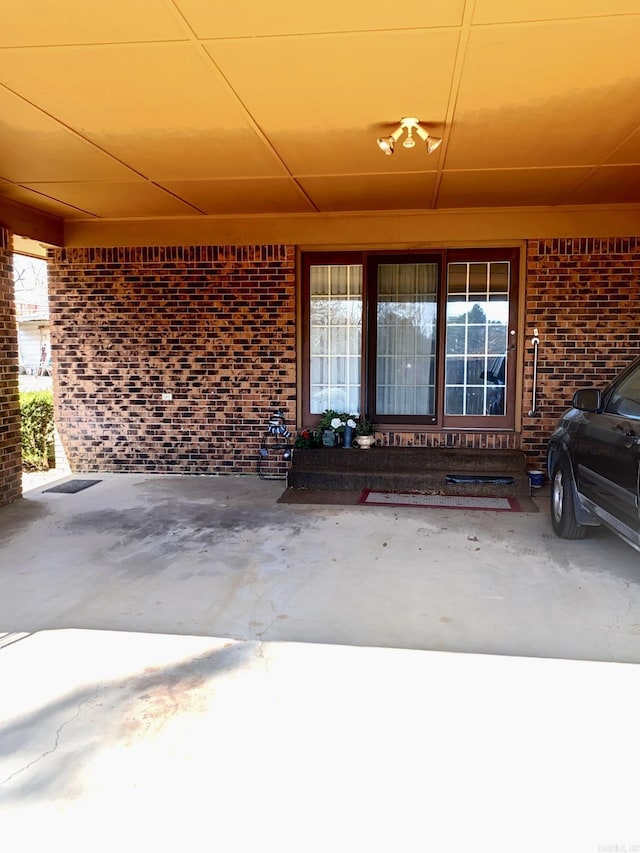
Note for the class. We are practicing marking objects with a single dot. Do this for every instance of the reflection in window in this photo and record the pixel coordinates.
(476, 338)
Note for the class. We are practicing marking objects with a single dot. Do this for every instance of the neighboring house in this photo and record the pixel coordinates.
(32, 315)
(34, 339)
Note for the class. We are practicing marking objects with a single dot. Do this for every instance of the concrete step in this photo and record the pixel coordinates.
(440, 470)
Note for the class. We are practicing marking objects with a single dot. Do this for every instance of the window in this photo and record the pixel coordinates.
(406, 338)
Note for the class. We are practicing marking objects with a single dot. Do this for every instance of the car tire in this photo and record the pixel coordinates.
(563, 513)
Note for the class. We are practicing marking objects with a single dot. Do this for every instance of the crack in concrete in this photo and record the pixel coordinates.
(260, 635)
(56, 742)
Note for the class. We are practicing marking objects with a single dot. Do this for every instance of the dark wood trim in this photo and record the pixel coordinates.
(373, 261)
(484, 422)
(310, 259)
(370, 261)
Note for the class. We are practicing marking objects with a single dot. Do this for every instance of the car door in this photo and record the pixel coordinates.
(608, 455)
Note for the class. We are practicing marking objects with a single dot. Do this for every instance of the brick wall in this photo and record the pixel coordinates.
(10, 450)
(215, 326)
(212, 325)
(481, 440)
(583, 296)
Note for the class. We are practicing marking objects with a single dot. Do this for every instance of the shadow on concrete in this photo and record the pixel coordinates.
(52, 739)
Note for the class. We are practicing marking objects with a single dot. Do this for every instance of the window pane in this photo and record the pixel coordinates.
(477, 319)
(454, 371)
(499, 277)
(476, 340)
(497, 338)
(406, 329)
(478, 278)
(457, 279)
(335, 312)
(453, 401)
(474, 400)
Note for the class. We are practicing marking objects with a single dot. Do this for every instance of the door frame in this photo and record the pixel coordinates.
(511, 252)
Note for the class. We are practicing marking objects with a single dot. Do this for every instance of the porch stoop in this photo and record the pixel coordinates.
(436, 470)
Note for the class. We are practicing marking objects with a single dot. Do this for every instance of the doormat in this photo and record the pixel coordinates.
(369, 497)
(507, 504)
(72, 486)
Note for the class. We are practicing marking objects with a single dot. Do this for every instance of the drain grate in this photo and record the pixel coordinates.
(487, 479)
(72, 486)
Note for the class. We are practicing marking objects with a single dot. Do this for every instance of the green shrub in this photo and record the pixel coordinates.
(36, 428)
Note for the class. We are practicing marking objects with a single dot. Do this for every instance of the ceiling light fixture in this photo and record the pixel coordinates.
(411, 125)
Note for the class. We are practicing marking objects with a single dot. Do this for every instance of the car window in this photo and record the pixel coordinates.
(625, 397)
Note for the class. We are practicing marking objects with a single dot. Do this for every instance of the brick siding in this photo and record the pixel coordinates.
(482, 440)
(215, 326)
(212, 325)
(583, 296)
(10, 450)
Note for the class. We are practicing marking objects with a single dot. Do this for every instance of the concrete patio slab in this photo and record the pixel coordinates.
(120, 741)
(218, 556)
(187, 664)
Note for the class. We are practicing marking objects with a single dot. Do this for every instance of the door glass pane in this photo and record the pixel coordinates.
(476, 338)
(406, 338)
(335, 312)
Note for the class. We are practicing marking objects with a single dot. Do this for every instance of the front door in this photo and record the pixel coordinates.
(479, 343)
(413, 339)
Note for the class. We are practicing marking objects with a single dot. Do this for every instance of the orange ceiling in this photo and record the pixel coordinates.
(180, 108)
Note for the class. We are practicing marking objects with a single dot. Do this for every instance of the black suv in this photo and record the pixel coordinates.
(593, 461)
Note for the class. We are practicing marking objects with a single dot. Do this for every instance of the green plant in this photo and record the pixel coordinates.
(307, 438)
(365, 427)
(330, 419)
(36, 429)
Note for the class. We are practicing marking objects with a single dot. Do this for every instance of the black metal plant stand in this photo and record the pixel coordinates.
(275, 449)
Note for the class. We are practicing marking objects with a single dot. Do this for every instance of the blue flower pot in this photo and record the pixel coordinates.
(348, 436)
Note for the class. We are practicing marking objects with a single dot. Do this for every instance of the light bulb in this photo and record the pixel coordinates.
(385, 144)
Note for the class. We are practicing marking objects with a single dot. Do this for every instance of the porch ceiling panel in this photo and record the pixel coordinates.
(262, 195)
(65, 22)
(121, 109)
(371, 192)
(282, 17)
(486, 188)
(621, 183)
(323, 100)
(109, 199)
(159, 108)
(524, 100)
(40, 201)
(68, 156)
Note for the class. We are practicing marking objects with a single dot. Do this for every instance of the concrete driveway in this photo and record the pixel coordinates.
(219, 557)
(186, 662)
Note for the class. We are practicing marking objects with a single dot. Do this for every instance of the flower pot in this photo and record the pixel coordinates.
(328, 438)
(348, 436)
(365, 441)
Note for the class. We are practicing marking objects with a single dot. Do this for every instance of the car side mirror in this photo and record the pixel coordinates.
(587, 399)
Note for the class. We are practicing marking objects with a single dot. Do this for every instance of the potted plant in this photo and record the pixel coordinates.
(365, 433)
(333, 425)
(307, 438)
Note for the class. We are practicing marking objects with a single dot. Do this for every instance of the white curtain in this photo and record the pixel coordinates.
(406, 339)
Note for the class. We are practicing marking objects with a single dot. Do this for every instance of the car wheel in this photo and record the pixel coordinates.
(563, 514)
